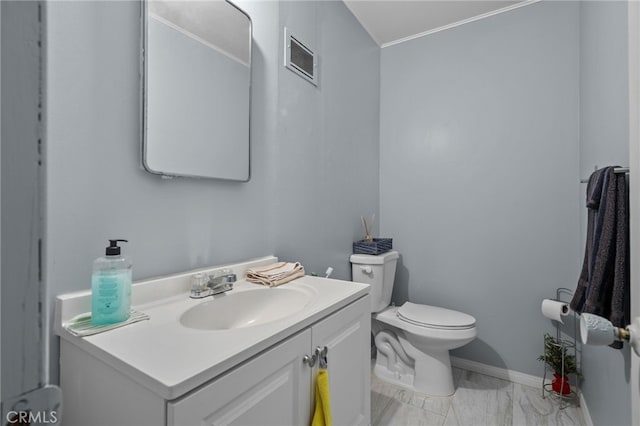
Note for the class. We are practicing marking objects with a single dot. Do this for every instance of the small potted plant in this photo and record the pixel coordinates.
(562, 364)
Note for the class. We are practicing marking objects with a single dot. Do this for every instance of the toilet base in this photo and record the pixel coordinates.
(431, 374)
(404, 380)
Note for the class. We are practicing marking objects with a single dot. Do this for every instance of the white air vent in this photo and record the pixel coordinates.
(299, 58)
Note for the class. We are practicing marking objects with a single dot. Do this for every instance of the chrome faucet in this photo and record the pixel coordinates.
(222, 283)
(214, 285)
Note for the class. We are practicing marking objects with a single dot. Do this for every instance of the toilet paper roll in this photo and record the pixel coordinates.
(554, 309)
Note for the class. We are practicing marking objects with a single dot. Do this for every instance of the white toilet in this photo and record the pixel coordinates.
(413, 340)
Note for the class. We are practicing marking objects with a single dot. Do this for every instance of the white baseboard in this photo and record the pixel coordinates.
(500, 373)
(515, 377)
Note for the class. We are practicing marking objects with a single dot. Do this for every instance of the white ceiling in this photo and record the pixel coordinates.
(393, 21)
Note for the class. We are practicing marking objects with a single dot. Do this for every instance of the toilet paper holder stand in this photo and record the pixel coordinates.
(561, 294)
(566, 340)
(599, 331)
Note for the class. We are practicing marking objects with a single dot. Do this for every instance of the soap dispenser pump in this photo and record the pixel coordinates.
(111, 286)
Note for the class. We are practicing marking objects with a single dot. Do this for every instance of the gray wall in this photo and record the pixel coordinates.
(487, 128)
(479, 173)
(330, 176)
(604, 140)
(305, 141)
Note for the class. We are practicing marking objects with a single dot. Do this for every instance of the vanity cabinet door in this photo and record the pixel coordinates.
(271, 389)
(346, 335)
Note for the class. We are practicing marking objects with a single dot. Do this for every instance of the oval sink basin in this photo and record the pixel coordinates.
(246, 308)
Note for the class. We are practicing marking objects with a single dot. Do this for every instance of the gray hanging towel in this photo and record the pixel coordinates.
(603, 286)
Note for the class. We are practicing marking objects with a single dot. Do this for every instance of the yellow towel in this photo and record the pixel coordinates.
(322, 412)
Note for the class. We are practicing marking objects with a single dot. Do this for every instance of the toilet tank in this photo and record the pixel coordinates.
(379, 272)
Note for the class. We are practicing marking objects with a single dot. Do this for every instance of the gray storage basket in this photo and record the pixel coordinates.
(375, 246)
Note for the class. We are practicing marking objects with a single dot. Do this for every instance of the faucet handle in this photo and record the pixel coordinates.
(199, 286)
(230, 277)
(226, 272)
(223, 276)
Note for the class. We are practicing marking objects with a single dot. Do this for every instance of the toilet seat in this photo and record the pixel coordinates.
(434, 317)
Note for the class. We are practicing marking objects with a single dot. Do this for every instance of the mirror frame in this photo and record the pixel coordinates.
(144, 104)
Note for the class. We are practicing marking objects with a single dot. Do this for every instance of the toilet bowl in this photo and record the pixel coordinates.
(426, 345)
(413, 340)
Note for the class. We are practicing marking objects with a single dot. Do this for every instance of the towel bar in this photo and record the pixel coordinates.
(617, 170)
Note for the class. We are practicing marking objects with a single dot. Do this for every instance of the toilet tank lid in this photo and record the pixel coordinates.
(371, 259)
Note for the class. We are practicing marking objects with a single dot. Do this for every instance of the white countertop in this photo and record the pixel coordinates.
(171, 359)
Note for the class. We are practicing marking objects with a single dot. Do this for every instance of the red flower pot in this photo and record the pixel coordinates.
(561, 384)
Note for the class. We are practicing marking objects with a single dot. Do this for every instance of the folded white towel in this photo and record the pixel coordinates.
(275, 274)
(81, 325)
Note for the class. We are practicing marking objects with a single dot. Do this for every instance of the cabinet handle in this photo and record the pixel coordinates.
(310, 360)
(321, 356)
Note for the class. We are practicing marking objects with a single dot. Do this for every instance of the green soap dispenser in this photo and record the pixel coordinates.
(111, 287)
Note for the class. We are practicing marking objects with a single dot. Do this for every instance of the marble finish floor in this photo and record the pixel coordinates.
(478, 400)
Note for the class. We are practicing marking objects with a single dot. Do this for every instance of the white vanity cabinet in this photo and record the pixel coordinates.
(274, 387)
(271, 389)
(277, 387)
(347, 335)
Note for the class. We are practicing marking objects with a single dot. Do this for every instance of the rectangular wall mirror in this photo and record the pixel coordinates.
(196, 89)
